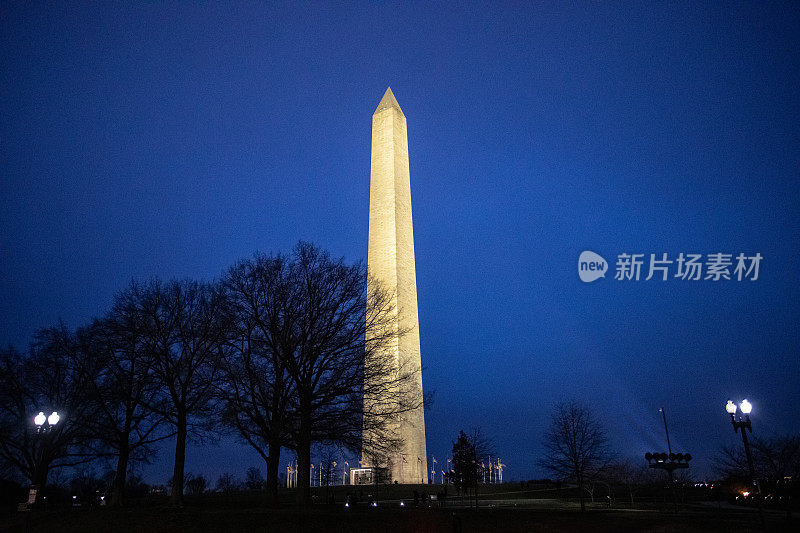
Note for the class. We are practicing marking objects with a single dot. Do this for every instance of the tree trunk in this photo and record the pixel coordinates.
(275, 441)
(40, 475)
(273, 465)
(176, 498)
(580, 491)
(304, 471)
(304, 452)
(118, 490)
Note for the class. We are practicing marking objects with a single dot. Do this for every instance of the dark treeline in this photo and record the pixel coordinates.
(276, 351)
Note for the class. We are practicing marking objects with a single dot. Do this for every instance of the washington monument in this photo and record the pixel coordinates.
(390, 262)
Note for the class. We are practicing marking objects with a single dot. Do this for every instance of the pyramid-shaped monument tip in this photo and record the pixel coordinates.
(388, 101)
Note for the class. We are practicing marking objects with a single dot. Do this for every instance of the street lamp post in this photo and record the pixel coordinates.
(44, 424)
(745, 426)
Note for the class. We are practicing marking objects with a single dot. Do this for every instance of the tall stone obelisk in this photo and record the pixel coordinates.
(390, 261)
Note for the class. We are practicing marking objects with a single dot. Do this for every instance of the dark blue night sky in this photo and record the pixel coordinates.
(172, 140)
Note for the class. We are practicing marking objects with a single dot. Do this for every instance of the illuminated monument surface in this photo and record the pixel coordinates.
(390, 261)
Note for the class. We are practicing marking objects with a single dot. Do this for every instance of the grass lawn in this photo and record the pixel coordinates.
(499, 512)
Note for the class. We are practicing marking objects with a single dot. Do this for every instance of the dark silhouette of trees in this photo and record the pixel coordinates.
(256, 389)
(344, 382)
(55, 376)
(253, 479)
(291, 351)
(466, 466)
(185, 331)
(630, 475)
(195, 485)
(87, 486)
(778, 457)
(484, 448)
(299, 367)
(15, 410)
(125, 391)
(575, 446)
(774, 458)
(17, 436)
(227, 482)
(327, 466)
(467, 469)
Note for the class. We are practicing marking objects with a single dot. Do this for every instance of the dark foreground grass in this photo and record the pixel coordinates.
(384, 520)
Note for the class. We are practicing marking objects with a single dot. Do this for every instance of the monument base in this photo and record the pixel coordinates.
(369, 475)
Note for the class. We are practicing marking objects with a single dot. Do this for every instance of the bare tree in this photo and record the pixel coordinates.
(328, 456)
(730, 461)
(185, 331)
(126, 391)
(195, 485)
(227, 482)
(55, 376)
(16, 443)
(299, 366)
(774, 458)
(257, 389)
(575, 445)
(630, 475)
(254, 480)
(778, 456)
(346, 385)
(484, 448)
